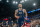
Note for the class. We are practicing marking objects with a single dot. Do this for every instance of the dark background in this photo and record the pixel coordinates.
(8, 9)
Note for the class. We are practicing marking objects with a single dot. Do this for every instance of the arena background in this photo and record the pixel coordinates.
(8, 7)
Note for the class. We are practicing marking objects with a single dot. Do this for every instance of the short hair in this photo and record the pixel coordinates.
(20, 3)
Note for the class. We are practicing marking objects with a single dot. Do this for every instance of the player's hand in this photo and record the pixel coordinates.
(17, 17)
(26, 18)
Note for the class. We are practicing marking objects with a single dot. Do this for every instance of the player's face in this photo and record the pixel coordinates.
(20, 5)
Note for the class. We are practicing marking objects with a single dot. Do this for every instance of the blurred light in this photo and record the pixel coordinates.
(34, 4)
(34, 10)
(14, 2)
(38, 9)
(26, 0)
(29, 12)
(0, 0)
(7, 1)
(21, 1)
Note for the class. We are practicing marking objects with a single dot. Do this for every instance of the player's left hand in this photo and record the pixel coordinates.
(26, 18)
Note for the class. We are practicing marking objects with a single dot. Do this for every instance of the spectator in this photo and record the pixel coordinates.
(15, 25)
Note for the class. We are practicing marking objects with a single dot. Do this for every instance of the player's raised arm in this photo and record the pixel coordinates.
(16, 14)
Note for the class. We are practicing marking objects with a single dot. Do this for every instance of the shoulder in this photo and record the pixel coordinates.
(16, 10)
(24, 9)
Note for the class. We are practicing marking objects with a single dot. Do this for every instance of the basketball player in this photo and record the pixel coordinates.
(19, 14)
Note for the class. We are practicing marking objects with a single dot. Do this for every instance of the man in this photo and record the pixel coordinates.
(19, 14)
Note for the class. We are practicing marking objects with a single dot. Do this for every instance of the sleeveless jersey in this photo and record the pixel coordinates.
(20, 13)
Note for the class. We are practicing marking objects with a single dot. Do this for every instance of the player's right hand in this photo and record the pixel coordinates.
(17, 17)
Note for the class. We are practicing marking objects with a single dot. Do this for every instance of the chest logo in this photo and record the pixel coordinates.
(20, 12)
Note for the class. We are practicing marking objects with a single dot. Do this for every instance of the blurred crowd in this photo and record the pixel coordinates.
(11, 23)
(35, 23)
